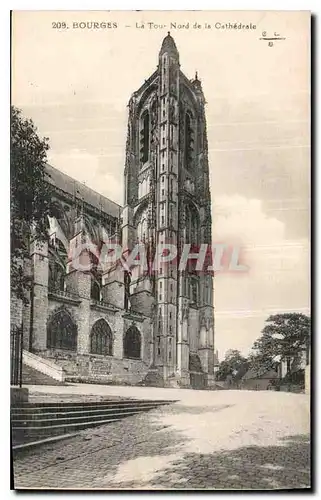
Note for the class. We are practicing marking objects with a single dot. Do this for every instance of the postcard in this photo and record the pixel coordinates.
(160, 250)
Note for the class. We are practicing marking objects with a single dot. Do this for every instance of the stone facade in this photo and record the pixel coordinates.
(107, 325)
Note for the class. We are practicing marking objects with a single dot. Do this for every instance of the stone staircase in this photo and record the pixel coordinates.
(31, 376)
(36, 422)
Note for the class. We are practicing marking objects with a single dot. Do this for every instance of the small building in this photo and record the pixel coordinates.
(259, 380)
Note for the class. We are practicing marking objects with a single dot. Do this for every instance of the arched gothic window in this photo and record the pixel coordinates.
(95, 290)
(144, 137)
(195, 364)
(142, 228)
(189, 140)
(57, 266)
(127, 280)
(193, 289)
(192, 238)
(96, 279)
(132, 343)
(101, 338)
(62, 331)
(191, 225)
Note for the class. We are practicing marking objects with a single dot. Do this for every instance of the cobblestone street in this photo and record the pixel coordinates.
(206, 440)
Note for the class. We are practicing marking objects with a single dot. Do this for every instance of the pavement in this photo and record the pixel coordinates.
(214, 440)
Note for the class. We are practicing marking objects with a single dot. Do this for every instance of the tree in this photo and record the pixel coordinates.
(284, 337)
(233, 364)
(30, 196)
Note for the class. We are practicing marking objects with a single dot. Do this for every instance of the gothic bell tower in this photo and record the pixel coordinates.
(167, 200)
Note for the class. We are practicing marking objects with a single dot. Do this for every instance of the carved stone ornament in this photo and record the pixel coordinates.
(202, 319)
(185, 312)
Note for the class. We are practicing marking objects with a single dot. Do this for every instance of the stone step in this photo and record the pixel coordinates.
(19, 414)
(22, 435)
(39, 420)
(32, 422)
(88, 404)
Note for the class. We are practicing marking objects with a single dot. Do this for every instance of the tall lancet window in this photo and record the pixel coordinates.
(189, 140)
(127, 280)
(144, 137)
(57, 266)
(191, 233)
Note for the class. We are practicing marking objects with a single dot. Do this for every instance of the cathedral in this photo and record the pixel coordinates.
(111, 325)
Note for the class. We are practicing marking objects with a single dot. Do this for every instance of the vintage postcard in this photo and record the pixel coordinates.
(160, 250)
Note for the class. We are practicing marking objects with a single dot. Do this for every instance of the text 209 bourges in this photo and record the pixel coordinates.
(90, 25)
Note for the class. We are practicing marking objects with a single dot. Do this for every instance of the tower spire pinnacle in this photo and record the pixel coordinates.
(169, 46)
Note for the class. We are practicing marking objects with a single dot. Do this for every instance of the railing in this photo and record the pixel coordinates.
(135, 315)
(64, 296)
(101, 303)
(63, 293)
(16, 334)
(44, 365)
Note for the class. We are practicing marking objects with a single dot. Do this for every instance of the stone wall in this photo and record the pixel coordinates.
(82, 365)
(99, 369)
(118, 320)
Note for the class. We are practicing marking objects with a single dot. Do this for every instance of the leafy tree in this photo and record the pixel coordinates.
(284, 337)
(233, 364)
(30, 196)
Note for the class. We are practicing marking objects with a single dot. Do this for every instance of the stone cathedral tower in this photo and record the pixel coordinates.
(167, 200)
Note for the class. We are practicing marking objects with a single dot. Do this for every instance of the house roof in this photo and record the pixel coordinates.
(261, 374)
(80, 191)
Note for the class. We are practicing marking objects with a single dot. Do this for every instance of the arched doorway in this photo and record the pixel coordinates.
(198, 378)
(101, 338)
(62, 331)
(132, 343)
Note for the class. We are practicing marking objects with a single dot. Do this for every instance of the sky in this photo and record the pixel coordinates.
(75, 84)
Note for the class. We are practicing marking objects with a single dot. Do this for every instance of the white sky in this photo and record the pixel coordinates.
(75, 84)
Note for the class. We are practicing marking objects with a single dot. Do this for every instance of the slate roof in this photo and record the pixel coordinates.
(79, 190)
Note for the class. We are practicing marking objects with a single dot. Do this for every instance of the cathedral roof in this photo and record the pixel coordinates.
(75, 188)
(169, 45)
